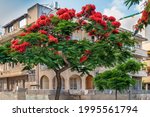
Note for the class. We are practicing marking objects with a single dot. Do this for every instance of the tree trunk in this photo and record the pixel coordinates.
(116, 96)
(58, 76)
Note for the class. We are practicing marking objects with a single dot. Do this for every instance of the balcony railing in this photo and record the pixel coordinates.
(141, 73)
(140, 52)
(9, 36)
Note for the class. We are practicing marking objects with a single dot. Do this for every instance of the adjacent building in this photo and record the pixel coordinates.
(12, 77)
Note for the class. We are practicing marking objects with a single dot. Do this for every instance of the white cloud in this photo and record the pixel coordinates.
(140, 7)
(118, 4)
(129, 23)
(114, 11)
(117, 11)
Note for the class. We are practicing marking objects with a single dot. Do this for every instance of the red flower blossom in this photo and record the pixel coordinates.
(111, 18)
(88, 7)
(51, 15)
(42, 22)
(23, 34)
(79, 14)
(43, 32)
(87, 52)
(52, 39)
(66, 14)
(93, 12)
(71, 12)
(61, 11)
(28, 29)
(96, 19)
(83, 23)
(105, 28)
(14, 42)
(83, 58)
(58, 53)
(35, 26)
(91, 33)
(25, 44)
(19, 47)
(106, 35)
(68, 38)
(105, 17)
(103, 23)
(145, 15)
(119, 44)
(88, 10)
(98, 14)
(43, 17)
(115, 31)
(116, 24)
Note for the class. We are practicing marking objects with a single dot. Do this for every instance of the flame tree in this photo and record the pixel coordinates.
(49, 41)
(144, 21)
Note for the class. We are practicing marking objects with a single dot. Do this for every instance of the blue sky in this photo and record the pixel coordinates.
(11, 9)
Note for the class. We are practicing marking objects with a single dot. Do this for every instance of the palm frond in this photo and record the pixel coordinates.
(129, 3)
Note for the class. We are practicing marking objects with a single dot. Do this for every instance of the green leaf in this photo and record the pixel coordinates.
(129, 3)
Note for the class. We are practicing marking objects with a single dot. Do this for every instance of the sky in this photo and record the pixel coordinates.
(11, 9)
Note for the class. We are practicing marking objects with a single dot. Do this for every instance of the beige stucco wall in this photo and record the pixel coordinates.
(32, 14)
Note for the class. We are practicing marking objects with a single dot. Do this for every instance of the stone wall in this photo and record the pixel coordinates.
(8, 96)
(21, 95)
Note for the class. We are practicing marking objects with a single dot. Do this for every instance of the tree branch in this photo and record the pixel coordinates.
(66, 62)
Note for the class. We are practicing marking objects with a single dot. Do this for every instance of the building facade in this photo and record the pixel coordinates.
(12, 77)
(146, 80)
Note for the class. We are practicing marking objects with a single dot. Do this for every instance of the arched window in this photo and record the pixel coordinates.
(89, 82)
(44, 82)
(75, 82)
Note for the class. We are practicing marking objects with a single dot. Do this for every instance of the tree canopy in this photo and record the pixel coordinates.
(49, 41)
(118, 78)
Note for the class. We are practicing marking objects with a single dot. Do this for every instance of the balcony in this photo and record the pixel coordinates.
(147, 62)
(7, 75)
(140, 52)
(146, 79)
(12, 72)
(9, 36)
(141, 73)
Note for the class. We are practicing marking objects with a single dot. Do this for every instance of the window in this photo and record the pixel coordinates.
(11, 65)
(73, 83)
(10, 29)
(138, 45)
(92, 38)
(22, 23)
